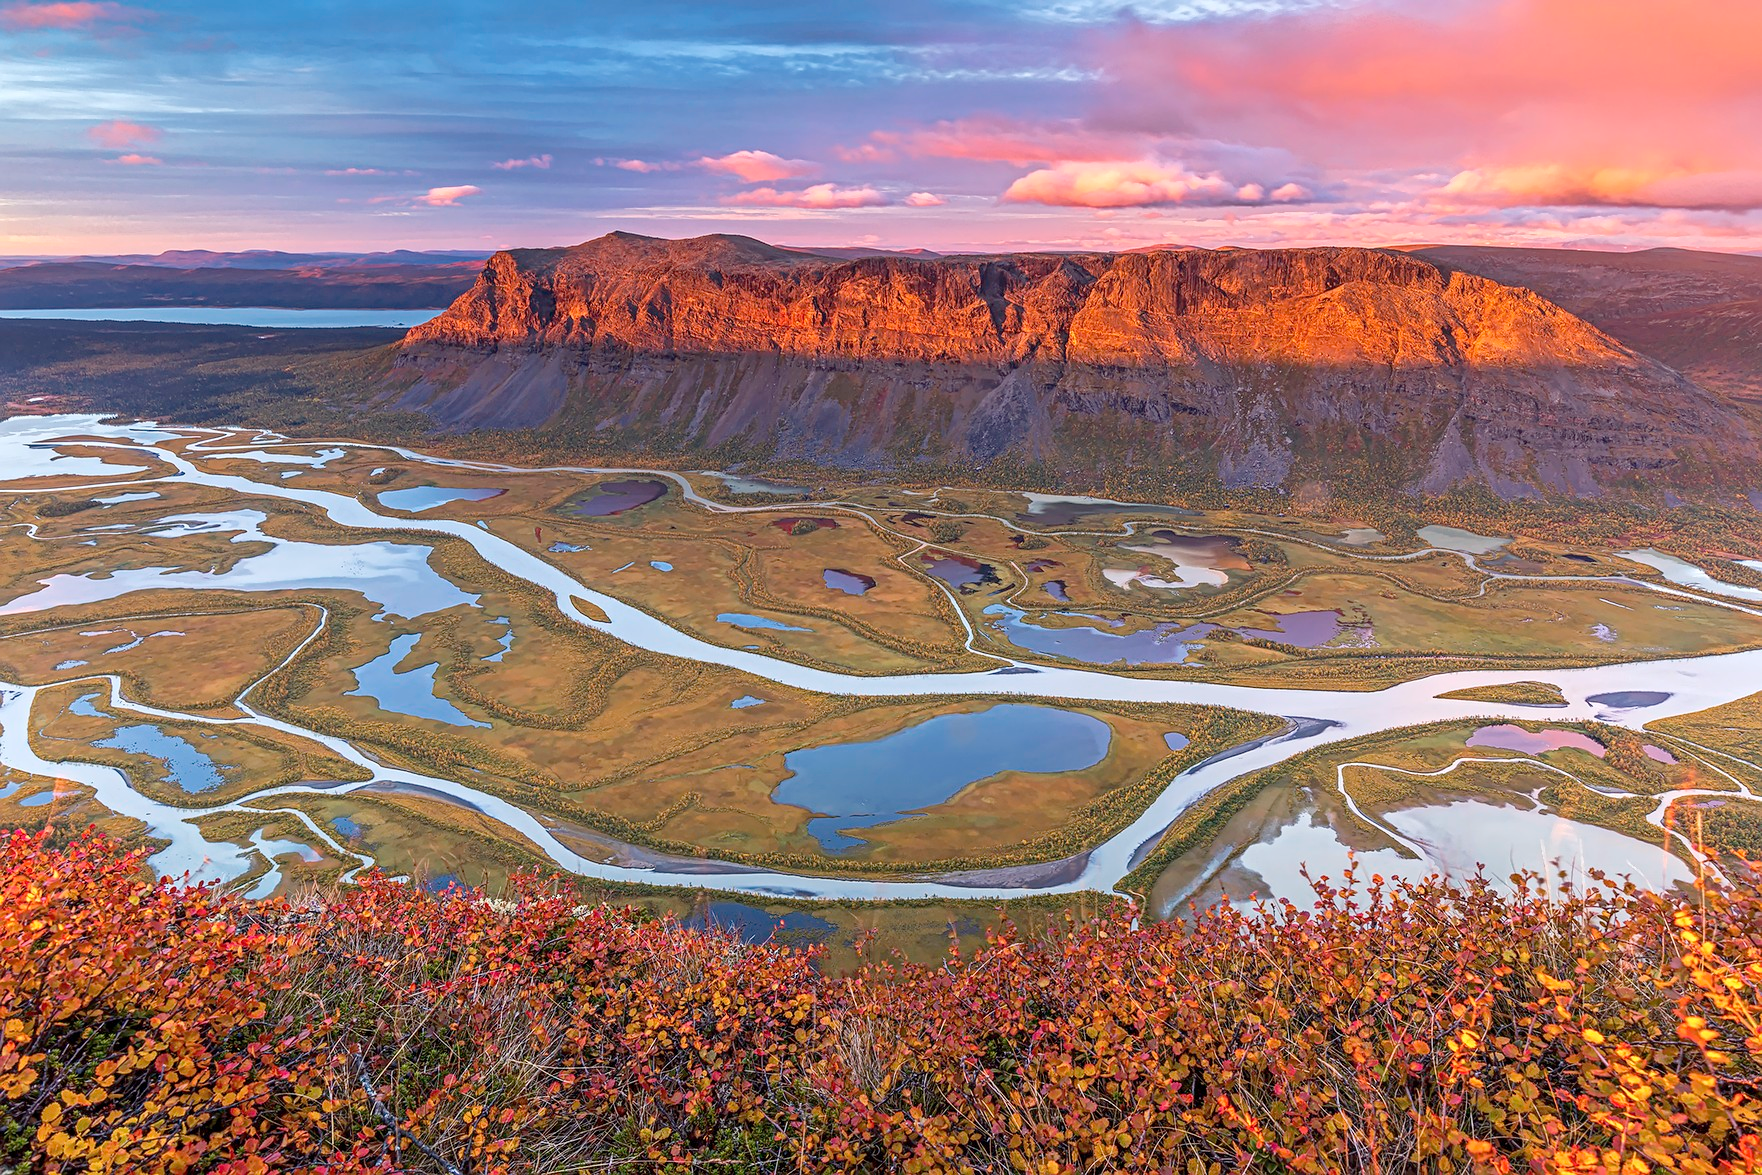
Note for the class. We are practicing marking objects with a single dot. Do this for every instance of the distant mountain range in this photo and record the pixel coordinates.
(1293, 369)
(306, 281)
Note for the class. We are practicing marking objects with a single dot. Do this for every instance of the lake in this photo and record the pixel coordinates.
(862, 784)
(257, 316)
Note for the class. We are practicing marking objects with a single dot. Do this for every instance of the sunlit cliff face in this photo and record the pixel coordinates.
(953, 126)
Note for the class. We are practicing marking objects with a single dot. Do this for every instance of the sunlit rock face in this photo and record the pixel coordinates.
(1253, 368)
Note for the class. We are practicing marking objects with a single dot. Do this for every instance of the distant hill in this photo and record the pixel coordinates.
(1699, 312)
(1249, 368)
(388, 281)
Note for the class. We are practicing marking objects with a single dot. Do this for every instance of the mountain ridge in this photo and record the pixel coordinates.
(1257, 368)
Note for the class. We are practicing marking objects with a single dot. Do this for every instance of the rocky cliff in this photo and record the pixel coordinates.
(1254, 367)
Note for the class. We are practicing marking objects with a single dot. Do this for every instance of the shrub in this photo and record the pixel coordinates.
(154, 1027)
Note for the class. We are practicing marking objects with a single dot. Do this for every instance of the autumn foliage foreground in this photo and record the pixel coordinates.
(154, 1028)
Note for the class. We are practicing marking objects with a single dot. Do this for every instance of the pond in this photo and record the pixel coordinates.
(395, 576)
(748, 620)
(185, 766)
(1306, 630)
(864, 784)
(614, 497)
(739, 484)
(960, 572)
(416, 499)
(1629, 699)
(1685, 574)
(410, 692)
(1450, 538)
(1056, 589)
(848, 582)
(1200, 560)
(1164, 644)
(755, 925)
(1064, 510)
(1507, 737)
(746, 702)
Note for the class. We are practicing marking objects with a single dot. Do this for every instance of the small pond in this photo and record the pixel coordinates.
(848, 582)
(748, 620)
(1450, 538)
(863, 784)
(416, 499)
(1507, 737)
(1163, 644)
(746, 702)
(754, 925)
(614, 497)
(960, 572)
(410, 692)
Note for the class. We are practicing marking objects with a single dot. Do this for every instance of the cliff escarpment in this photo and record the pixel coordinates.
(1267, 368)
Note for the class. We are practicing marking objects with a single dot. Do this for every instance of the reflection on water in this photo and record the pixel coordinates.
(1164, 644)
(1506, 737)
(1064, 510)
(754, 925)
(848, 582)
(416, 499)
(614, 497)
(410, 692)
(860, 785)
(1686, 574)
(960, 572)
(1451, 538)
(748, 620)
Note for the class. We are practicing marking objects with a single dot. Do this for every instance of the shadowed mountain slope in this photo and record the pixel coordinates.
(1270, 368)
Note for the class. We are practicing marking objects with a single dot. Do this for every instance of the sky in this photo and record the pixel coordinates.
(141, 125)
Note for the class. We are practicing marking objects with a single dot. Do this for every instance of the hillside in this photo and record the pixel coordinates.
(1699, 312)
(154, 1029)
(1268, 368)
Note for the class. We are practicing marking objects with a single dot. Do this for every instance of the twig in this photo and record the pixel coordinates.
(385, 1115)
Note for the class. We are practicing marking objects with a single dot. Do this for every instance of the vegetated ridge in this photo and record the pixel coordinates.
(160, 1030)
(1249, 368)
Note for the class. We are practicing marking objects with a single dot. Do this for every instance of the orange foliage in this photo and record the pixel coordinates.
(155, 1028)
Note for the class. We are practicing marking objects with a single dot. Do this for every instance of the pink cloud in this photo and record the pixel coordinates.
(820, 196)
(1554, 184)
(924, 200)
(70, 14)
(756, 167)
(448, 197)
(119, 135)
(134, 160)
(642, 166)
(1631, 100)
(542, 162)
(1133, 184)
(1000, 140)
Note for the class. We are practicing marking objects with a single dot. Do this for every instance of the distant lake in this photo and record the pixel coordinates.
(260, 316)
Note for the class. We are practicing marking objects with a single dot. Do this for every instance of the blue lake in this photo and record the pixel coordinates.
(410, 692)
(1164, 644)
(748, 620)
(754, 925)
(848, 582)
(746, 702)
(1176, 740)
(416, 499)
(185, 766)
(660, 565)
(260, 316)
(860, 785)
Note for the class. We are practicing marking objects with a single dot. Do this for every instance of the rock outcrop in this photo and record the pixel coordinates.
(1253, 367)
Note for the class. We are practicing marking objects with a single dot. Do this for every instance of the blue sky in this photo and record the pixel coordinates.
(148, 124)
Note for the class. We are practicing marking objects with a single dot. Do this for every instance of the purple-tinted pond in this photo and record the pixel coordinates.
(1056, 589)
(1306, 630)
(1507, 737)
(848, 582)
(615, 497)
(1658, 754)
(1165, 644)
(959, 571)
